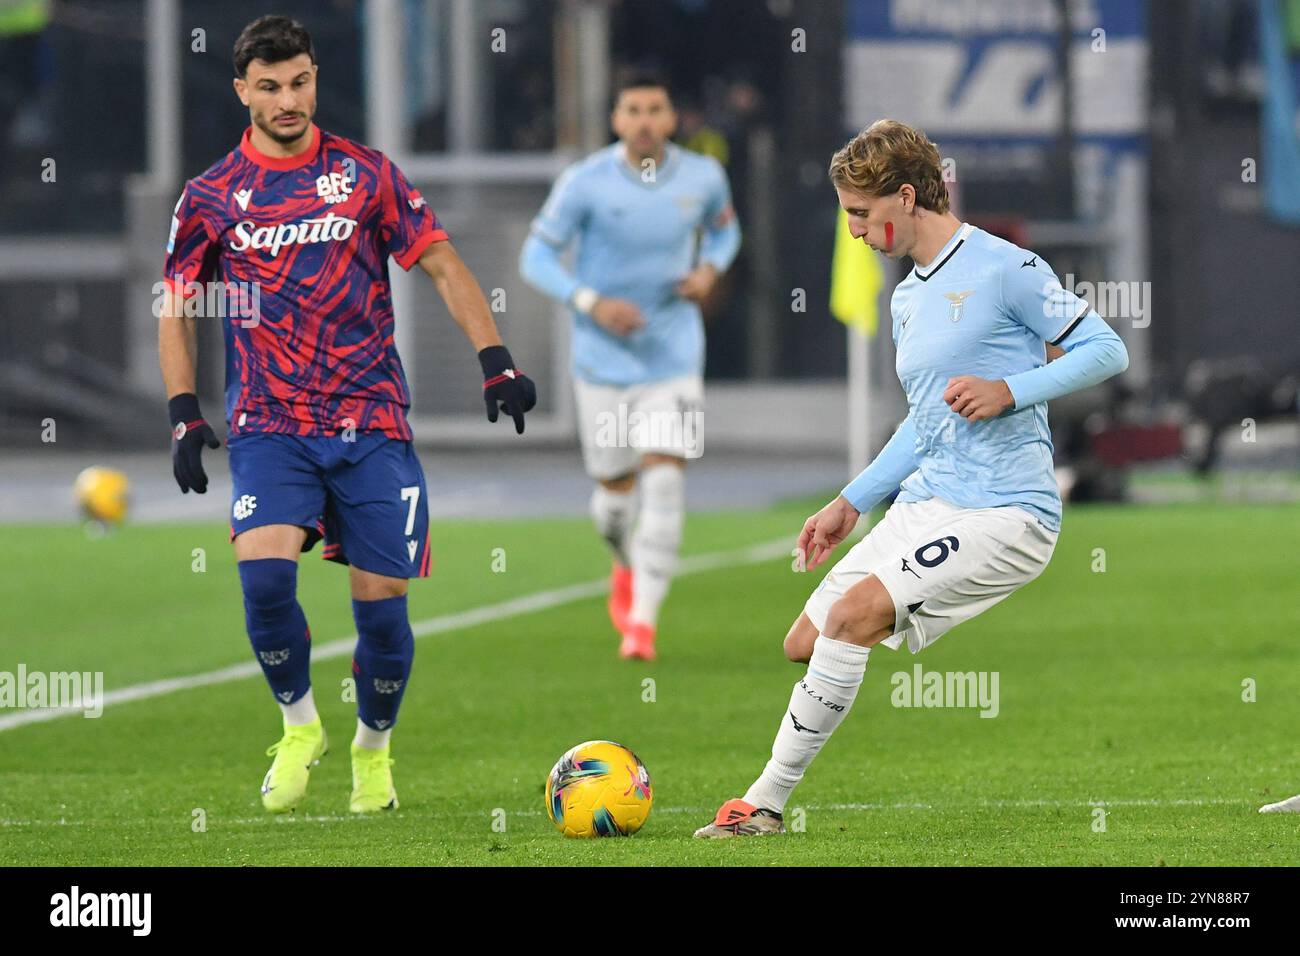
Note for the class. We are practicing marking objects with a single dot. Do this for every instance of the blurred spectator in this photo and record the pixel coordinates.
(695, 133)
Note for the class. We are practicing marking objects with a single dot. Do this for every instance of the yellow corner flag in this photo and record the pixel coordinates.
(856, 278)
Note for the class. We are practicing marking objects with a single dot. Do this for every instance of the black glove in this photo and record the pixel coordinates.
(189, 434)
(505, 386)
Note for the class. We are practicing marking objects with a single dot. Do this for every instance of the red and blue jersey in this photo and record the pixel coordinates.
(301, 245)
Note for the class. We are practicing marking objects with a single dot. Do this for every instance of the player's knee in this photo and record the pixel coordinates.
(799, 641)
(367, 586)
(797, 649)
(383, 624)
(619, 485)
(268, 583)
(861, 616)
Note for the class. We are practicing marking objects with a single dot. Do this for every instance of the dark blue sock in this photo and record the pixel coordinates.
(382, 662)
(277, 627)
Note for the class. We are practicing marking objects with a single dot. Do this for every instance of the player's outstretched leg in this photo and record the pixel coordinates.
(1290, 805)
(381, 666)
(612, 509)
(655, 546)
(860, 618)
(277, 629)
(819, 702)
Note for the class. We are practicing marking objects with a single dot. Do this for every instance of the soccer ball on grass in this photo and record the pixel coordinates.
(599, 789)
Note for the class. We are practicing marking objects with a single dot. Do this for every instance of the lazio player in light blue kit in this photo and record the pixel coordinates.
(654, 228)
(977, 511)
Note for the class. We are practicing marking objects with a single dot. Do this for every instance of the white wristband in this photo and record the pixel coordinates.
(584, 299)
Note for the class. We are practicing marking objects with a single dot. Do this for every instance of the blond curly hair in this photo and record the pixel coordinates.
(886, 155)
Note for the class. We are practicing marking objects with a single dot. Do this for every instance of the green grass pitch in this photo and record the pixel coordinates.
(1121, 688)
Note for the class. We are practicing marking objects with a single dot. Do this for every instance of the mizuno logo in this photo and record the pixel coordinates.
(800, 728)
(242, 197)
(1030, 262)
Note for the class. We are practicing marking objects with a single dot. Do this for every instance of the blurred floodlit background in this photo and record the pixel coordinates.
(1150, 149)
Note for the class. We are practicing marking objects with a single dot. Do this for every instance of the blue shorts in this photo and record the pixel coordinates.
(366, 498)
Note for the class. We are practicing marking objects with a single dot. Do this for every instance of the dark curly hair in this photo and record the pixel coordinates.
(271, 39)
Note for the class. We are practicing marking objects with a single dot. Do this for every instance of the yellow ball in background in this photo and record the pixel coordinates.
(102, 494)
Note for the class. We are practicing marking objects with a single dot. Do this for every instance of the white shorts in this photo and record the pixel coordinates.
(941, 564)
(619, 424)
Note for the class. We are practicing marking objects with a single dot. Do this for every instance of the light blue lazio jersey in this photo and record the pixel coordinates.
(984, 307)
(637, 237)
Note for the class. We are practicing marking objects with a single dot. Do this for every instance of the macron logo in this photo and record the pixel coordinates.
(242, 197)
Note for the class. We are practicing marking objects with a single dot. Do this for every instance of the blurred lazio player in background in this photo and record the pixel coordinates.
(638, 210)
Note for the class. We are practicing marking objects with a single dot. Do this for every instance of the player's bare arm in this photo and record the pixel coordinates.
(505, 388)
(460, 290)
(177, 346)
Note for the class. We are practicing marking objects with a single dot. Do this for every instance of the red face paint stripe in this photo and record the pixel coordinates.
(889, 237)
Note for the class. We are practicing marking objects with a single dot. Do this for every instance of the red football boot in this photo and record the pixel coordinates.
(620, 596)
(638, 642)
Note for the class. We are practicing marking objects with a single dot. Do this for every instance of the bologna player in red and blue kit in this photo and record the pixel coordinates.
(296, 227)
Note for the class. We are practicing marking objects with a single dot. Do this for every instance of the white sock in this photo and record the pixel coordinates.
(612, 512)
(657, 540)
(301, 711)
(820, 701)
(370, 738)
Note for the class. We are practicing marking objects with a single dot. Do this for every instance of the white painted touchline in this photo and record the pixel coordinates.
(488, 613)
(306, 818)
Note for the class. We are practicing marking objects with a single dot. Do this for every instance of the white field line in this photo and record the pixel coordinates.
(704, 812)
(487, 614)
